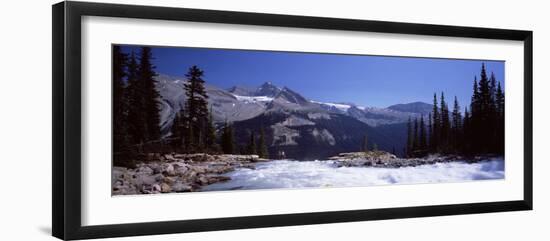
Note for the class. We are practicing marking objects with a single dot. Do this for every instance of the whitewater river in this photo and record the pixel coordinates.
(300, 174)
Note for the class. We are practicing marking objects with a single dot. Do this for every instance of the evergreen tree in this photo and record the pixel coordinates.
(456, 126)
(120, 105)
(416, 140)
(423, 142)
(430, 149)
(409, 149)
(251, 148)
(466, 132)
(485, 133)
(210, 138)
(196, 107)
(176, 139)
(434, 135)
(189, 135)
(374, 147)
(445, 125)
(365, 143)
(493, 86)
(474, 120)
(499, 99)
(146, 75)
(137, 127)
(262, 147)
(227, 139)
(475, 102)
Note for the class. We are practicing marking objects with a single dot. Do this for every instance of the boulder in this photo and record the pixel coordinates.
(141, 180)
(145, 170)
(181, 187)
(168, 169)
(169, 157)
(169, 180)
(202, 180)
(164, 188)
(156, 188)
(180, 170)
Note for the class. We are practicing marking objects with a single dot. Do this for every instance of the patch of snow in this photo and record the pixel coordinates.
(342, 107)
(253, 99)
(309, 174)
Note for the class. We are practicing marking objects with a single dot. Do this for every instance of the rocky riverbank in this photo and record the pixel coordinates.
(388, 160)
(177, 173)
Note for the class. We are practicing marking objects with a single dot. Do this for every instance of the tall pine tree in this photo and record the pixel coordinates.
(120, 105)
(262, 147)
(456, 136)
(228, 144)
(137, 126)
(445, 125)
(423, 145)
(499, 99)
(176, 138)
(210, 138)
(466, 132)
(436, 123)
(416, 139)
(151, 96)
(410, 137)
(484, 133)
(365, 143)
(429, 147)
(196, 108)
(251, 148)
(474, 121)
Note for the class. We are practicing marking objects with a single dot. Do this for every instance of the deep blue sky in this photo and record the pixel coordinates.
(364, 80)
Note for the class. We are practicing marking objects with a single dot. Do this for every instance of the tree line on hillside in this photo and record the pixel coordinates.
(479, 131)
(136, 114)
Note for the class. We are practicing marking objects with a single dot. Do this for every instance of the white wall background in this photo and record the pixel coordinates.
(25, 122)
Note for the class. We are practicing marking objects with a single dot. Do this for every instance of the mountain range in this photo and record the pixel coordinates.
(304, 129)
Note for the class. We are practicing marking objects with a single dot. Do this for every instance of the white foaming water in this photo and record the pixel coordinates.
(301, 174)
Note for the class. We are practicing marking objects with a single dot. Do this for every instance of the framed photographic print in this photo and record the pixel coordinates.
(172, 120)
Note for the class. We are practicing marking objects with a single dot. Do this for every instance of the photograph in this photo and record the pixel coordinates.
(191, 119)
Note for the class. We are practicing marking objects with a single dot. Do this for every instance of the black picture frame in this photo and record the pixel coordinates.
(66, 197)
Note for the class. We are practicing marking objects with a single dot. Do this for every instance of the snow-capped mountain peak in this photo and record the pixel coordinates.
(267, 89)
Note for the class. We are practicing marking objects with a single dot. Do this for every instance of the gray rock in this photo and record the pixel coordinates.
(145, 170)
(144, 180)
(181, 187)
(168, 169)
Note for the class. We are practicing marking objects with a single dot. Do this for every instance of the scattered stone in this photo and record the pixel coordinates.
(385, 159)
(177, 172)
